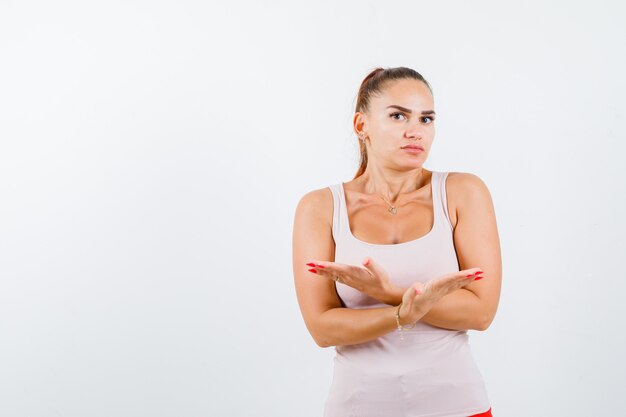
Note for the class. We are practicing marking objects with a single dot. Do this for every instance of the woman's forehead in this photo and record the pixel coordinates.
(407, 95)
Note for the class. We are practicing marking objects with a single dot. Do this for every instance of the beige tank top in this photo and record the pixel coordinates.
(432, 371)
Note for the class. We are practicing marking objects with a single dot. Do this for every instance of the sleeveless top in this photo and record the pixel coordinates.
(431, 373)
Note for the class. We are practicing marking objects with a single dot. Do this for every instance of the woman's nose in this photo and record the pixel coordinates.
(414, 132)
(415, 129)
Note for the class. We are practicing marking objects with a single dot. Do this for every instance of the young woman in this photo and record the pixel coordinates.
(394, 267)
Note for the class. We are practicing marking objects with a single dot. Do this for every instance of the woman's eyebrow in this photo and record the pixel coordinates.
(404, 109)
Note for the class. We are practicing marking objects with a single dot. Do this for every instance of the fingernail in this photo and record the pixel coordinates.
(320, 266)
(310, 264)
(313, 270)
(477, 278)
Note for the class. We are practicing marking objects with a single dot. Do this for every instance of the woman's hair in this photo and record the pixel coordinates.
(373, 84)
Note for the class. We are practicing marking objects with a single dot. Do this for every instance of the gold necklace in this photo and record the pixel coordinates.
(392, 208)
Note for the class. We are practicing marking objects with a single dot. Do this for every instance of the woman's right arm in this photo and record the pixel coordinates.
(328, 322)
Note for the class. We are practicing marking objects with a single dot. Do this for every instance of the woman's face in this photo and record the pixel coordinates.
(390, 128)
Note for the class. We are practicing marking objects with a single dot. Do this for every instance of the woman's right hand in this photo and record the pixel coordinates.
(419, 298)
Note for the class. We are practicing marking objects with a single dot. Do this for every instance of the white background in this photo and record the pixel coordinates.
(152, 155)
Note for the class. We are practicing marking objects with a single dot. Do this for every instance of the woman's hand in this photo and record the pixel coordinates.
(370, 279)
(419, 298)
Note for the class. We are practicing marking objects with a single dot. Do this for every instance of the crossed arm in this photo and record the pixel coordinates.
(472, 307)
(460, 310)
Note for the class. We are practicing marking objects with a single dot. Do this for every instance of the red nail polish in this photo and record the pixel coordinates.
(320, 266)
(477, 278)
(310, 264)
(313, 270)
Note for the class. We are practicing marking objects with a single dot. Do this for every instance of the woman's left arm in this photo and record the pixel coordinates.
(477, 245)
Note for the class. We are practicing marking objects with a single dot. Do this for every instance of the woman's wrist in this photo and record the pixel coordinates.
(401, 323)
(392, 295)
(403, 316)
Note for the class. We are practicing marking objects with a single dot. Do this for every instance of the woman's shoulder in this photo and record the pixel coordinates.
(464, 182)
(464, 189)
(318, 203)
(318, 197)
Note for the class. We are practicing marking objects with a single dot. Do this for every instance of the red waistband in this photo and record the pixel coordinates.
(485, 414)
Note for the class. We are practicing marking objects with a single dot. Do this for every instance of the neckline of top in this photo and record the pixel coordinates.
(430, 232)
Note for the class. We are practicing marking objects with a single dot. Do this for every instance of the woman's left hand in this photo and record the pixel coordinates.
(370, 279)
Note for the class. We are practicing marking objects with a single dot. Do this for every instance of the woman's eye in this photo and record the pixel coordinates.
(429, 118)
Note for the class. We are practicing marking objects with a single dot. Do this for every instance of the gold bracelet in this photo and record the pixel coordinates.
(401, 328)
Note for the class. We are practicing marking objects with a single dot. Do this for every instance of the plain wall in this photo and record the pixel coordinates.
(152, 155)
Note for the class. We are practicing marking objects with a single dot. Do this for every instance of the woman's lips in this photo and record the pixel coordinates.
(413, 150)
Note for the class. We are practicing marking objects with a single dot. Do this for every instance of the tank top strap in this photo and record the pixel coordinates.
(440, 198)
(337, 193)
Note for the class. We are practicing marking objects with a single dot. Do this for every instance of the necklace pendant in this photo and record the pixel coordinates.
(392, 209)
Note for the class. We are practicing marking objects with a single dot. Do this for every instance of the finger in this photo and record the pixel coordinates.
(323, 272)
(335, 272)
(407, 297)
(322, 267)
(373, 267)
(318, 264)
(327, 273)
(473, 272)
(474, 277)
(411, 293)
(330, 267)
(349, 271)
(419, 288)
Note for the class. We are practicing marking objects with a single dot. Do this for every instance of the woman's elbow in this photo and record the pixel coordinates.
(486, 322)
(323, 343)
(321, 339)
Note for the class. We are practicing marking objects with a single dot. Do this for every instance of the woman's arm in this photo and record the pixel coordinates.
(477, 245)
(348, 326)
(459, 310)
(328, 322)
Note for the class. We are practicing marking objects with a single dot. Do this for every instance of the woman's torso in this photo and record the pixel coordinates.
(429, 373)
